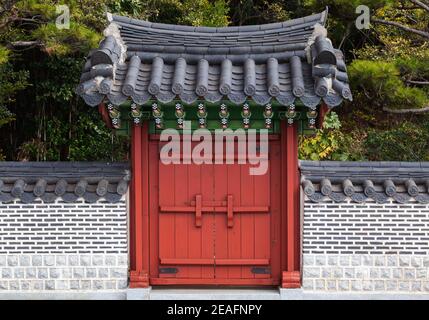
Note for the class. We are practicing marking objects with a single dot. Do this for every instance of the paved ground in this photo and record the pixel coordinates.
(208, 294)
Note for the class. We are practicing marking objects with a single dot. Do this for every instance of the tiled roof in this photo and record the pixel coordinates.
(69, 181)
(285, 61)
(363, 181)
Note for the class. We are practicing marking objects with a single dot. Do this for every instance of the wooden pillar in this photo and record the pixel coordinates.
(323, 111)
(291, 276)
(139, 215)
(102, 109)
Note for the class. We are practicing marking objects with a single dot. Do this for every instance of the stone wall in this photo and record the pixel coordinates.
(366, 247)
(63, 246)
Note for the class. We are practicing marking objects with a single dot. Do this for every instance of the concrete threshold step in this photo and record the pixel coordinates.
(264, 294)
(207, 294)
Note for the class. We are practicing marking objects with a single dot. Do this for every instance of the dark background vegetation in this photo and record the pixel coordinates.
(42, 119)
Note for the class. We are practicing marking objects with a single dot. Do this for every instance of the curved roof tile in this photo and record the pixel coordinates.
(400, 182)
(284, 61)
(69, 181)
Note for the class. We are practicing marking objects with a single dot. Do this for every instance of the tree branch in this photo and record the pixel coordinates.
(24, 44)
(423, 83)
(420, 4)
(13, 19)
(401, 26)
(32, 20)
(402, 111)
(346, 34)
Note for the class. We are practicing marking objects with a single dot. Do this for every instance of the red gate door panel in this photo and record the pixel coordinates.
(217, 223)
(242, 235)
(186, 244)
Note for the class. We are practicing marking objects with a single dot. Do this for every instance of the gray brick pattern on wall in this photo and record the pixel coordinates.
(367, 247)
(58, 228)
(381, 273)
(368, 228)
(63, 272)
(63, 246)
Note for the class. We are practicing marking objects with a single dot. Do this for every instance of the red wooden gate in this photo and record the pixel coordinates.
(214, 223)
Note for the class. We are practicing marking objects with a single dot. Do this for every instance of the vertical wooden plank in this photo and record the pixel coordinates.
(296, 191)
(247, 220)
(139, 271)
(145, 196)
(166, 220)
(290, 191)
(284, 190)
(138, 189)
(275, 204)
(220, 219)
(182, 220)
(153, 209)
(292, 185)
(194, 234)
(261, 192)
(207, 229)
(132, 197)
(234, 234)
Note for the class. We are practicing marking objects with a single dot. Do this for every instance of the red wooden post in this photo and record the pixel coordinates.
(323, 111)
(105, 115)
(139, 215)
(145, 196)
(291, 277)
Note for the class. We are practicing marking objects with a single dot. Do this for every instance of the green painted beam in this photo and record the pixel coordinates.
(257, 120)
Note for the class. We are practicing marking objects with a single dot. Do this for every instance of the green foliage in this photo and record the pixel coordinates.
(379, 83)
(4, 55)
(407, 142)
(66, 128)
(332, 121)
(5, 116)
(56, 79)
(67, 41)
(205, 13)
(11, 82)
(245, 12)
(37, 7)
(83, 138)
(188, 12)
(387, 60)
(134, 8)
(415, 66)
(387, 67)
(329, 143)
(93, 142)
(84, 12)
(346, 9)
(33, 150)
(52, 123)
(80, 37)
